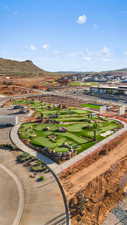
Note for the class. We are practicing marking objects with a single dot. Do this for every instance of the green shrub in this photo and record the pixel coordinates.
(41, 178)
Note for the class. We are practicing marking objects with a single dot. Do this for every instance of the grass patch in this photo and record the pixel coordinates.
(91, 106)
(80, 127)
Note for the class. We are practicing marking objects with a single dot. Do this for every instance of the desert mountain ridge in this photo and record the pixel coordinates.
(9, 67)
(25, 68)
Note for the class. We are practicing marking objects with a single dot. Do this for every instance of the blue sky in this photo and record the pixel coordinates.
(78, 35)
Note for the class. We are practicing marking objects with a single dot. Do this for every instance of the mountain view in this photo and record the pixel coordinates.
(63, 112)
(23, 68)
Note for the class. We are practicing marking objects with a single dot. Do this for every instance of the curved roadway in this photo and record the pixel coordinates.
(11, 197)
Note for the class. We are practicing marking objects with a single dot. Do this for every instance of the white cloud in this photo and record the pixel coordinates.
(125, 53)
(74, 54)
(45, 46)
(33, 47)
(82, 19)
(56, 52)
(103, 54)
(107, 59)
(87, 58)
(105, 51)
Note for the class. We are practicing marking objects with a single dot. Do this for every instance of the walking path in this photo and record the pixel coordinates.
(15, 139)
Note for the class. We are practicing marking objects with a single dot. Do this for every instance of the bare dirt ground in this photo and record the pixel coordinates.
(8, 203)
(100, 196)
(13, 90)
(95, 188)
(43, 200)
(66, 101)
(19, 85)
(82, 178)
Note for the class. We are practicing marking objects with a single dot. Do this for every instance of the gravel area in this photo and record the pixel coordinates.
(118, 215)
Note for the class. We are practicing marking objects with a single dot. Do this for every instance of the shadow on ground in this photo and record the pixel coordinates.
(59, 220)
(5, 126)
(121, 215)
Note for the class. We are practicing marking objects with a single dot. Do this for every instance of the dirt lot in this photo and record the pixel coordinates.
(66, 101)
(10, 202)
(15, 86)
(13, 90)
(95, 188)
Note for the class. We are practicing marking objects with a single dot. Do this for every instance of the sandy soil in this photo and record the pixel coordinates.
(83, 177)
(18, 85)
(97, 185)
(9, 199)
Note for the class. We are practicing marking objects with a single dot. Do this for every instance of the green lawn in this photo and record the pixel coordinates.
(43, 141)
(79, 125)
(91, 106)
(79, 135)
(76, 83)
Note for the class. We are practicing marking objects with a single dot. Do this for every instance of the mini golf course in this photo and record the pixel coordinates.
(64, 130)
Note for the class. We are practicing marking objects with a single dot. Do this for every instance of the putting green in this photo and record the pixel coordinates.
(72, 128)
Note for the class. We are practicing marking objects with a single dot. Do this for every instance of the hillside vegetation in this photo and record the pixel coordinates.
(25, 68)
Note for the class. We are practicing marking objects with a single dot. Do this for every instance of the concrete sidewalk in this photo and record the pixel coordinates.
(19, 144)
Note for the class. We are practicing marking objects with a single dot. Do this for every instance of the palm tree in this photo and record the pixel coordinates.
(90, 115)
(95, 126)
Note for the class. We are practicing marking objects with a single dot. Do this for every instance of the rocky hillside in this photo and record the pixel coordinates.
(25, 68)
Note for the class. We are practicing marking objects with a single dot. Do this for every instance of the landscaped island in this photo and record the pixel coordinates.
(61, 132)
